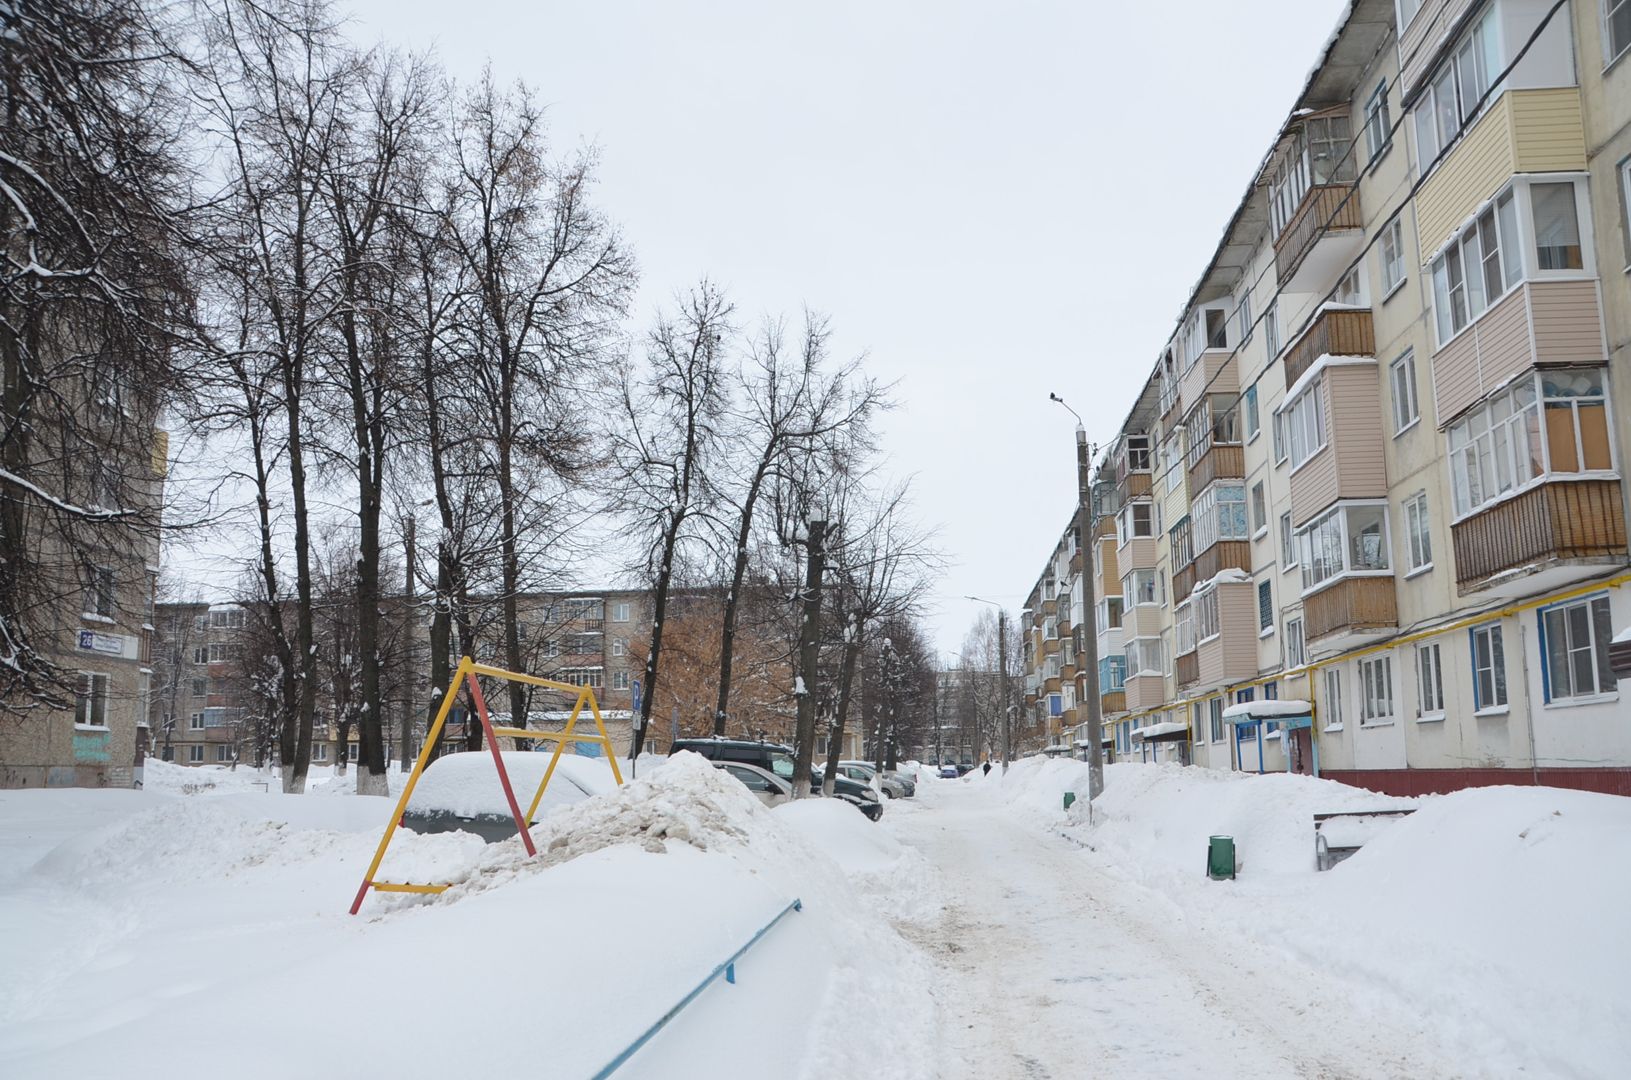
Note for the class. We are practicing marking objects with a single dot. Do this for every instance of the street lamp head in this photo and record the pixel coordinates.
(1055, 397)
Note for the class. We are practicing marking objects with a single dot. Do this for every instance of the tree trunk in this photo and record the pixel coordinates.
(809, 656)
(733, 599)
(846, 678)
(659, 609)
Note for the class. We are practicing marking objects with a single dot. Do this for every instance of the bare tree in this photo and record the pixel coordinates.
(666, 449)
(788, 407)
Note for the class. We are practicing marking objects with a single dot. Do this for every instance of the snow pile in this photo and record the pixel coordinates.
(170, 778)
(197, 923)
(467, 784)
(898, 880)
(1036, 785)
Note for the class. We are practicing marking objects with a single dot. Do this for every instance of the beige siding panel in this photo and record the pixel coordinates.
(1568, 321)
(1473, 172)
(1141, 620)
(1232, 655)
(1208, 376)
(1547, 132)
(1145, 692)
(1111, 570)
(1418, 42)
(1137, 555)
(1357, 433)
(1482, 356)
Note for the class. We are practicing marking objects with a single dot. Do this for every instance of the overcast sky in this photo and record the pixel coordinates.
(993, 200)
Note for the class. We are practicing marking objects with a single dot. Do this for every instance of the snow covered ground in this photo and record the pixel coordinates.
(198, 929)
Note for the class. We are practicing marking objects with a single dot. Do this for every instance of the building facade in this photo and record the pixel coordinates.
(1379, 466)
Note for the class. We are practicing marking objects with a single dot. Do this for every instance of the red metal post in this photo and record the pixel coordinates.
(498, 759)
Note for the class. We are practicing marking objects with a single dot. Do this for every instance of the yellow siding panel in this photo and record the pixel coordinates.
(1473, 172)
(1547, 132)
(1568, 321)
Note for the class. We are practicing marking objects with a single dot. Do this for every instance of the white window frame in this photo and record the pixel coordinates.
(1244, 312)
(1141, 651)
(223, 753)
(1258, 505)
(1599, 630)
(1418, 530)
(1250, 416)
(1330, 536)
(1132, 590)
(1495, 651)
(620, 611)
(1306, 431)
(1609, 9)
(1475, 57)
(1376, 691)
(91, 695)
(1394, 271)
(1218, 514)
(1214, 712)
(1429, 682)
(1378, 125)
(1208, 618)
(620, 647)
(1271, 328)
(1296, 647)
(195, 721)
(1289, 548)
(1332, 703)
(195, 754)
(1402, 381)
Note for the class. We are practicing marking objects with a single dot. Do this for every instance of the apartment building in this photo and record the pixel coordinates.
(1377, 471)
(93, 572)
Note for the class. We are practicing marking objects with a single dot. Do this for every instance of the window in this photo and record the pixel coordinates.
(1617, 26)
(1260, 509)
(1138, 453)
(1056, 704)
(1219, 513)
(1288, 543)
(1295, 655)
(1136, 521)
(319, 752)
(1393, 272)
(1197, 710)
(1142, 587)
(1214, 710)
(1376, 691)
(1333, 699)
(195, 721)
(1208, 625)
(201, 687)
(195, 754)
(1318, 155)
(1265, 607)
(1244, 695)
(1245, 314)
(227, 619)
(1429, 682)
(1449, 103)
(1112, 673)
(1402, 374)
(91, 699)
(620, 611)
(1249, 407)
(99, 591)
(201, 655)
(1271, 328)
(1557, 227)
(1477, 268)
(620, 680)
(1347, 539)
(1488, 667)
(1271, 691)
(1305, 423)
(1145, 657)
(1574, 646)
(1378, 128)
(585, 676)
(1576, 420)
(1418, 535)
(221, 651)
(1279, 438)
(620, 646)
(1214, 421)
(1407, 11)
(223, 753)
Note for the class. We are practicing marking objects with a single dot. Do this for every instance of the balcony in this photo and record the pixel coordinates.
(219, 735)
(1335, 332)
(1145, 691)
(1322, 237)
(1112, 701)
(1225, 461)
(1564, 530)
(1353, 608)
(1133, 485)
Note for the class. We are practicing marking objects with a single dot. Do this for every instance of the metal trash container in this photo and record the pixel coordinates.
(1220, 858)
(1070, 797)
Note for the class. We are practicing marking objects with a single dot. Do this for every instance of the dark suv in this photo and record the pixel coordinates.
(778, 759)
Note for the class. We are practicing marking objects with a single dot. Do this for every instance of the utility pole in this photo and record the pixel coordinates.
(1087, 646)
(809, 656)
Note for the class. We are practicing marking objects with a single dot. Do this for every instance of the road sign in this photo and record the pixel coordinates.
(636, 696)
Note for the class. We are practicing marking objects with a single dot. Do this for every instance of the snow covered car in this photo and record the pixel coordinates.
(891, 784)
(461, 793)
(778, 760)
(949, 772)
(771, 789)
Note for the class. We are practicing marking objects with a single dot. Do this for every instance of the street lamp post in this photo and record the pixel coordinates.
(1088, 647)
(1002, 663)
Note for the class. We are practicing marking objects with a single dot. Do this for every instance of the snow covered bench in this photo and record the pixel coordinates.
(1339, 835)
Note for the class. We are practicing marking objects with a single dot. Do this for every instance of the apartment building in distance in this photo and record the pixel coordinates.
(1377, 472)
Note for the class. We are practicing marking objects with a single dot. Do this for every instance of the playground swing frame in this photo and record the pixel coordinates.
(466, 674)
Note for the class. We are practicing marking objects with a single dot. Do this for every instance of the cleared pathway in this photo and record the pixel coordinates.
(1054, 968)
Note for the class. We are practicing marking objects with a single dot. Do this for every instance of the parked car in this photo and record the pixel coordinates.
(892, 784)
(460, 792)
(771, 789)
(777, 760)
(964, 768)
(949, 771)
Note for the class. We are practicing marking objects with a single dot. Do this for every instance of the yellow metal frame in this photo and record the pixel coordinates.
(469, 669)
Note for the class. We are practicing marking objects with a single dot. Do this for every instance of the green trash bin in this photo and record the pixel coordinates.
(1070, 797)
(1220, 858)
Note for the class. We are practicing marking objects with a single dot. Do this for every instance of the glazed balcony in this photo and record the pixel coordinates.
(1350, 610)
(1564, 529)
(1334, 332)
